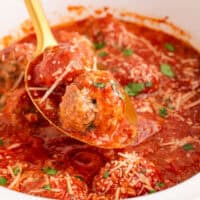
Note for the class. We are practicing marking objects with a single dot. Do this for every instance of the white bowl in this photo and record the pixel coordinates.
(184, 13)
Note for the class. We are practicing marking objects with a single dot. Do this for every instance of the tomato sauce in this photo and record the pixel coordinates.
(161, 76)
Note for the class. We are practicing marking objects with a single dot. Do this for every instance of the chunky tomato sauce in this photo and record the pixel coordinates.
(158, 72)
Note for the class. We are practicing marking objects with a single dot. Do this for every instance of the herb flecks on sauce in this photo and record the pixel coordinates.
(169, 47)
(166, 69)
(102, 54)
(188, 147)
(50, 171)
(1, 142)
(16, 171)
(127, 52)
(148, 84)
(99, 85)
(133, 89)
(106, 174)
(152, 191)
(99, 45)
(47, 187)
(3, 181)
(163, 112)
(160, 184)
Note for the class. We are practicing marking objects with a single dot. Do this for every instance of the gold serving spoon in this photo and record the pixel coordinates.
(46, 39)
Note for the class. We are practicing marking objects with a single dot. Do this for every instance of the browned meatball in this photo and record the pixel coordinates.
(77, 111)
(76, 50)
(13, 61)
(93, 105)
(128, 176)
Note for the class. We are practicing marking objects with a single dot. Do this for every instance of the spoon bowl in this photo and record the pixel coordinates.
(47, 99)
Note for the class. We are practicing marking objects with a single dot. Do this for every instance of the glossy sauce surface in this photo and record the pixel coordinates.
(159, 73)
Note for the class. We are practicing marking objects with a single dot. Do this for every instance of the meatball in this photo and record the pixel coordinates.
(117, 37)
(93, 107)
(128, 176)
(131, 70)
(13, 61)
(73, 55)
(130, 58)
(77, 111)
(20, 113)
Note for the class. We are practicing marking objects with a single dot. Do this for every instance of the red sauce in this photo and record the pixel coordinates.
(161, 75)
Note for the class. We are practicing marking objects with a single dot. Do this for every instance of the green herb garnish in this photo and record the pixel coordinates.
(47, 187)
(99, 45)
(102, 54)
(3, 181)
(99, 85)
(148, 84)
(166, 69)
(188, 147)
(106, 174)
(133, 89)
(50, 171)
(16, 171)
(163, 112)
(169, 47)
(160, 184)
(127, 52)
(1, 142)
(152, 191)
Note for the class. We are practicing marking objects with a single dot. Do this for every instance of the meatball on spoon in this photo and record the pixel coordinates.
(79, 100)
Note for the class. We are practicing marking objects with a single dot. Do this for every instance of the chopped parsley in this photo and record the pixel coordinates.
(163, 112)
(106, 174)
(166, 69)
(127, 52)
(99, 85)
(47, 187)
(133, 89)
(188, 147)
(160, 184)
(148, 84)
(16, 171)
(50, 171)
(169, 47)
(152, 191)
(3, 181)
(79, 177)
(102, 54)
(99, 45)
(1, 142)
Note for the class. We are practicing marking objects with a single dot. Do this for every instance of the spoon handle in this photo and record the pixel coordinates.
(44, 35)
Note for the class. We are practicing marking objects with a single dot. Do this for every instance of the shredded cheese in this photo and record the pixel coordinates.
(16, 180)
(38, 88)
(58, 80)
(69, 186)
(14, 146)
(18, 81)
(195, 103)
(117, 194)
(175, 143)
